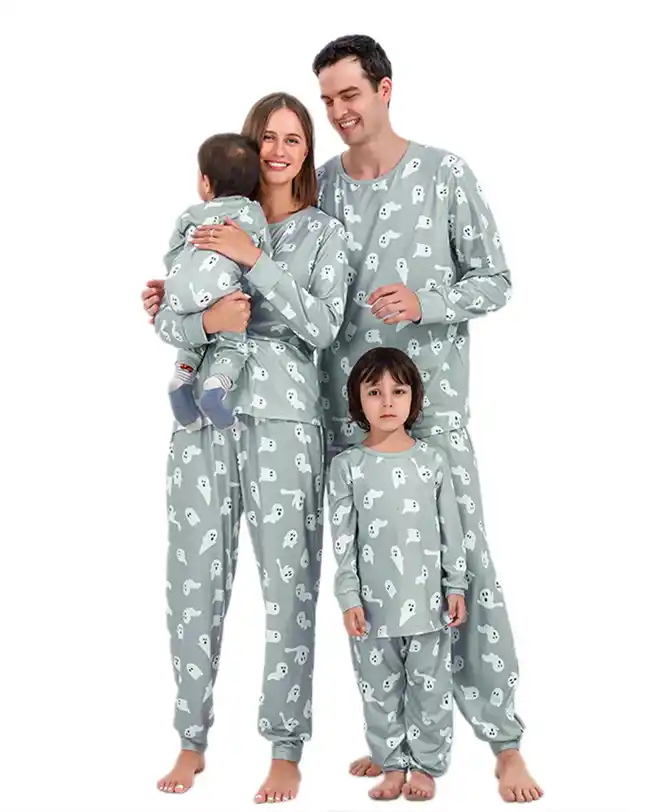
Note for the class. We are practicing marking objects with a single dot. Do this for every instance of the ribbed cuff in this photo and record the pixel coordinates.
(195, 747)
(433, 307)
(455, 591)
(265, 274)
(194, 331)
(348, 600)
(287, 751)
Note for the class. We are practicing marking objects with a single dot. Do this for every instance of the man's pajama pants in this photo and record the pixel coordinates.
(483, 662)
(271, 471)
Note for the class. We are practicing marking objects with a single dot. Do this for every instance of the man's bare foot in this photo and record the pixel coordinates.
(419, 787)
(188, 764)
(515, 782)
(281, 783)
(364, 767)
(390, 786)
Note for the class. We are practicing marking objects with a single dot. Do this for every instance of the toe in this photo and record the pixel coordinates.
(180, 787)
(508, 795)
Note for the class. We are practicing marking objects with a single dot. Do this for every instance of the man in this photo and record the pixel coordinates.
(426, 258)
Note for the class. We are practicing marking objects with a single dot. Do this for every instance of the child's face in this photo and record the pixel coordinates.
(386, 404)
(203, 187)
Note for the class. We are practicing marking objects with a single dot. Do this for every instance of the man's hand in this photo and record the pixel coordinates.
(354, 621)
(457, 609)
(152, 296)
(393, 303)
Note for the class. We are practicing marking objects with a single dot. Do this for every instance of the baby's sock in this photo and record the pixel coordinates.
(181, 395)
(211, 401)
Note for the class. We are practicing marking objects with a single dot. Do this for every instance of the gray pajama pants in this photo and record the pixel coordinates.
(484, 664)
(272, 471)
(407, 693)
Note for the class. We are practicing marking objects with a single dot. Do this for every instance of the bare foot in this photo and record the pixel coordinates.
(390, 787)
(281, 783)
(515, 782)
(419, 787)
(363, 767)
(188, 764)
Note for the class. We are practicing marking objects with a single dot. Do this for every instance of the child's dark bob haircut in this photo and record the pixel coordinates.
(231, 163)
(370, 368)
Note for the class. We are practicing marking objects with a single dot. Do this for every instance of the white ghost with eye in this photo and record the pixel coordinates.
(368, 693)
(189, 585)
(226, 507)
(272, 608)
(375, 526)
(302, 594)
(367, 554)
(428, 682)
(204, 644)
(286, 573)
(373, 337)
(342, 542)
(369, 498)
(274, 515)
(303, 621)
(414, 536)
(294, 694)
(490, 632)
(194, 671)
(280, 672)
(496, 662)
(290, 539)
(410, 506)
(423, 576)
(397, 558)
(208, 540)
(273, 636)
(390, 589)
(267, 475)
(408, 610)
(216, 569)
(301, 652)
(192, 517)
(399, 477)
(366, 593)
(182, 705)
(486, 599)
(190, 613)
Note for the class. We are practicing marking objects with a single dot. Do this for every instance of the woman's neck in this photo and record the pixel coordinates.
(278, 202)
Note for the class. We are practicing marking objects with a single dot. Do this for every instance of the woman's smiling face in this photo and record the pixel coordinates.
(283, 148)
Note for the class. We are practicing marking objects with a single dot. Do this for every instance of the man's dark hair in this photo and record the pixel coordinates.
(371, 56)
(370, 368)
(231, 163)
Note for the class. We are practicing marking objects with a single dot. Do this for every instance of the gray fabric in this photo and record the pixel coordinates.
(425, 224)
(196, 279)
(271, 472)
(406, 687)
(397, 537)
(298, 299)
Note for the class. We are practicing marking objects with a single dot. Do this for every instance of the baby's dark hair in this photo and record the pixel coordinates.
(231, 163)
(370, 368)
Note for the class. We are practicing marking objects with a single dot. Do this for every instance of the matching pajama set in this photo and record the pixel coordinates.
(267, 467)
(398, 544)
(427, 224)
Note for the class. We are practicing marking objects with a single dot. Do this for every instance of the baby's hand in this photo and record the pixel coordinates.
(457, 609)
(354, 621)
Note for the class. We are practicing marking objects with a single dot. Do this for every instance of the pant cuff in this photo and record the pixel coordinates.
(499, 747)
(287, 752)
(195, 747)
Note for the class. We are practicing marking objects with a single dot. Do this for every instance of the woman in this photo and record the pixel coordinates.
(268, 465)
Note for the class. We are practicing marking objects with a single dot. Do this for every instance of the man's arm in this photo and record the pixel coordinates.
(343, 522)
(484, 282)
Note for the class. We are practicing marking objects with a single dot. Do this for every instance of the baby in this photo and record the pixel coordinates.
(401, 575)
(228, 174)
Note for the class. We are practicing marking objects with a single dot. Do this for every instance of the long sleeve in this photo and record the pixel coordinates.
(451, 531)
(182, 331)
(484, 282)
(315, 314)
(344, 526)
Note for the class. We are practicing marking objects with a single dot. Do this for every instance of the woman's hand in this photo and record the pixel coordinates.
(229, 315)
(152, 296)
(228, 239)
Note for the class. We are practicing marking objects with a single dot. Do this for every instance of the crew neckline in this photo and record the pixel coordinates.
(365, 181)
(293, 215)
(377, 453)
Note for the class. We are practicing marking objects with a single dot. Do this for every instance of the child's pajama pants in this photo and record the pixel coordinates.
(407, 691)
(270, 470)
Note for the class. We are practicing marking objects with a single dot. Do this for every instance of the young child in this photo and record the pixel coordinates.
(228, 173)
(401, 574)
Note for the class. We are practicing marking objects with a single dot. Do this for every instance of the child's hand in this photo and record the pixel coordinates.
(457, 609)
(354, 621)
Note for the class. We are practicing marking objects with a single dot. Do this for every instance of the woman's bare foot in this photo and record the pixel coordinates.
(188, 764)
(419, 787)
(281, 783)
(390, 786)
(515, 782)
(364, 767)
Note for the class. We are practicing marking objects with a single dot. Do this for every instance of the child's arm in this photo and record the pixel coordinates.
(451, 531)
(314, 314)
(344, 526)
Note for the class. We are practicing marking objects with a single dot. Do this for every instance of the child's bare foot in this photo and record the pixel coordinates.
(390, 787)
(419, 787)
(515, 782)
(188, 764)
(364, 767)
(281, 783)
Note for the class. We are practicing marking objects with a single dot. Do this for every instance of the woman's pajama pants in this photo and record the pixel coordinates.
(271, 471)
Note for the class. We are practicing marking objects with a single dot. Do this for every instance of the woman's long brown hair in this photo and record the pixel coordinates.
(304, 186)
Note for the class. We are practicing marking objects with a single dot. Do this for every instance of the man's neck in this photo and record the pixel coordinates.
(375, 158)
(277, 202)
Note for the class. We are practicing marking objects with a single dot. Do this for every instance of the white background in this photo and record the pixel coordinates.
(104, 107)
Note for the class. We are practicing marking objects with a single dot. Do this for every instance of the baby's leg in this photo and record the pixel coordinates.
(181, 388)
(227, 359)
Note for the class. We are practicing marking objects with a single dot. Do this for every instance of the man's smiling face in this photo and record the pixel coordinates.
(355, 109)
